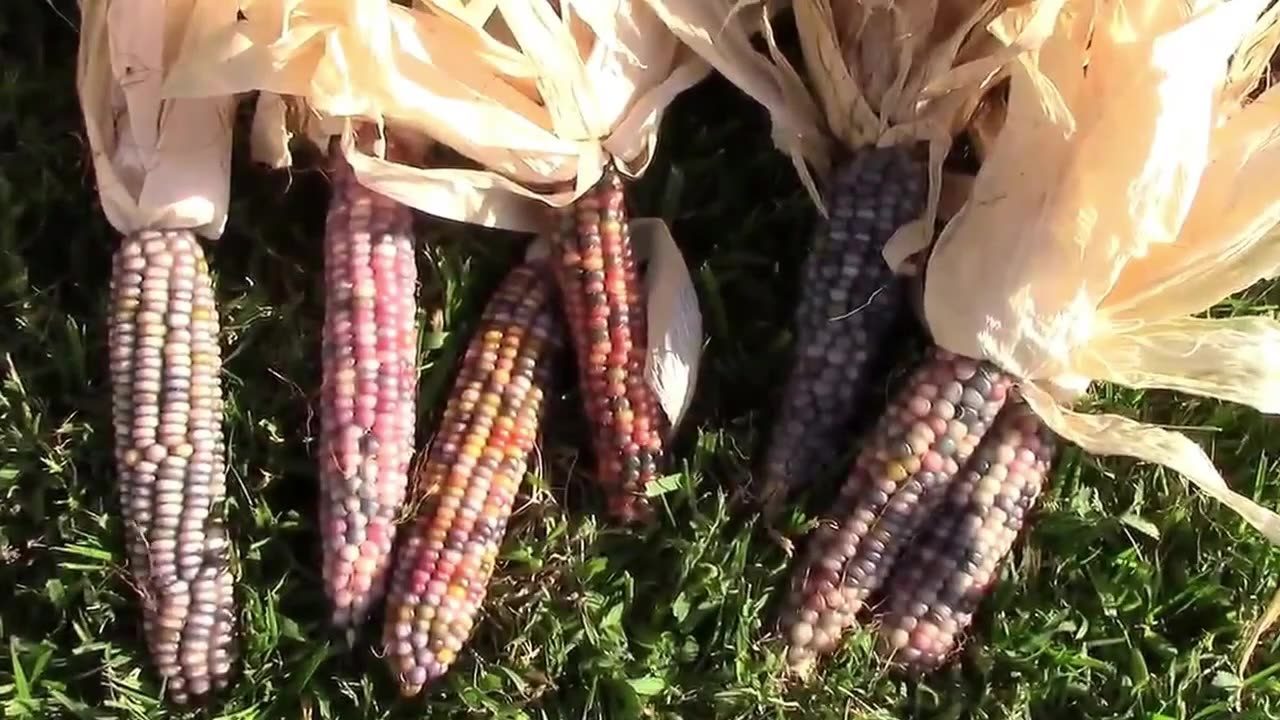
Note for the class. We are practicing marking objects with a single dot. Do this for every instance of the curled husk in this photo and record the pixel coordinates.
(878, 73)
(537, 98)
(1149, 201)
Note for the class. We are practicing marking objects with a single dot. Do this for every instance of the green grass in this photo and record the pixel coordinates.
(1131, 598)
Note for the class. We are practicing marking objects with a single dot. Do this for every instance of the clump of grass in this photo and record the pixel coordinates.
(1131, 597)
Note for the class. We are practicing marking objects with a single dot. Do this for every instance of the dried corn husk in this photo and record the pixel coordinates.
(538, 102)
(883, 72)
(159, 163)
(1150, 198)
(540, 96)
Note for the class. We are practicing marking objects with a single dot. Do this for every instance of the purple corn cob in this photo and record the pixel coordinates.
(942, 579)
(929, 430)
(849, 304)
(165, 365)
(368, 399)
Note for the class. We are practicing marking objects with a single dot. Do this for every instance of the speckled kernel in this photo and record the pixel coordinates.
(164, 362)
(943, 577)
(473, 470)
(882, 504)
(368, 399)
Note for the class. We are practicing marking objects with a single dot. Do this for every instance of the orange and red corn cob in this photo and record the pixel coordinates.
(473, 470)
(368, 398)
(941, 579)
(607, 315)
(165, 367)
(850, 301)
(926, 434)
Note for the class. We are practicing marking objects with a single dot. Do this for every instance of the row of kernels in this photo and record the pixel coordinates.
(368, 397)
(898, 477)
(944, 577)
(849, 302)
(165, 365)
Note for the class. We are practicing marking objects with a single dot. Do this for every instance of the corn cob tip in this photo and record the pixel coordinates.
(630, 510)
(920, 650)
(800, 662)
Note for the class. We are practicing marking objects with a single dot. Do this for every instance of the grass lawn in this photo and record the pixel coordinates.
(1132, 597)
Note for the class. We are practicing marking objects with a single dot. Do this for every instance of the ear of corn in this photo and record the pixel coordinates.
(603, 300)
(849, 303)
(368, 399)
(942, 578)
(929, 430)
(472, 472)
(165, 366)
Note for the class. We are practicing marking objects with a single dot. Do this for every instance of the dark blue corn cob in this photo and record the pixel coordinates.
(849, 305)
(942, 578)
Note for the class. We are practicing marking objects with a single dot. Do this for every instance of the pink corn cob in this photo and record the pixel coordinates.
(368, 400)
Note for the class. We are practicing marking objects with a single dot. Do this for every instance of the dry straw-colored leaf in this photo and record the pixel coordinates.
(538, 96)
(159, 163)
(1115, 204)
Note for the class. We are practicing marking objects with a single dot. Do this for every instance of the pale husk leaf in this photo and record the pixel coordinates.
(159, 163)
(675, 321)
(1112, 206)
(879, 72)
(540, 102)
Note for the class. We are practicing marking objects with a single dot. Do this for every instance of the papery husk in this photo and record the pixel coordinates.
(160, 164)
(540, 105)
(1112, 207)
(882, 72)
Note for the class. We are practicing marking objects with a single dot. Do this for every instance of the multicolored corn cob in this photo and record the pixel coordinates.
(165, 366)
(850, 300)
(368, 402)
(472, 472)
(607, 312)
(926, 434)
(943, 577)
